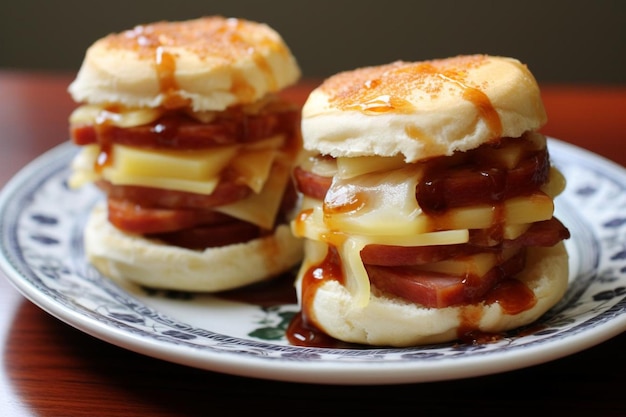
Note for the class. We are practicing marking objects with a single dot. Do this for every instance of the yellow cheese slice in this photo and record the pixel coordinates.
(513, 231)
(82, 166)
(353, 167)
(261, 208)
(470, 265)
(556, 183)
(381, 208)
(195, 172)
(528, 209)
(171, 164)
(253, 167)
(123, 117)
(310, 224)
(356, 278)
(192, 186)
(476, 265)
(191, 171)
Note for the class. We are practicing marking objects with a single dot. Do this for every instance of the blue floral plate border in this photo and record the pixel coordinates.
(41, 253)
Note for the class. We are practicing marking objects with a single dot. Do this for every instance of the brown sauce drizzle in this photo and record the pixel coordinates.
(165, 66)
(344, 202)
(474, 180)
(378, 90)
(302, 330)
(302, 333)
(230, 40)
(104, 159)
(485, 109)
(103, 129)
(299, 221)
(511, 294)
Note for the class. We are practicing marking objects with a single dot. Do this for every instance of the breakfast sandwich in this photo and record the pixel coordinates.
(183, 128)
(428, 204)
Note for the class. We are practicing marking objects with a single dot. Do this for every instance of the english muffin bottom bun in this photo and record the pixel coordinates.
(183, 128)
(427, 204)
(154, 264)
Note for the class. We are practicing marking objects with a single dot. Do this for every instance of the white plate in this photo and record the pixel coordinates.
(41, 252)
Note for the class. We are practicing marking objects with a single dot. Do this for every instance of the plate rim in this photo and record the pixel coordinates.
(298, 370)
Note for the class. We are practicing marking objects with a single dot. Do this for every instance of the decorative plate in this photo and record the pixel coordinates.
(41, 252)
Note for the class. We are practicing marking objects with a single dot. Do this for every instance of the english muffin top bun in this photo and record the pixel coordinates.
(427, 204)
(422, 109)
(183, 128)
(210, 63)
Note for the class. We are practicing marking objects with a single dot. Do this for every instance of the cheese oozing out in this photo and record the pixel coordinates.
(372, 201)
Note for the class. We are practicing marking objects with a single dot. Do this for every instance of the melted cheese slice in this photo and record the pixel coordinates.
(372, 204)
(197, 172)
(310, 225)
(380, 207)
(365, 210)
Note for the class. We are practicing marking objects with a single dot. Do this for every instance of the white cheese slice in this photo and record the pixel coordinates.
(381, 208)
(372, 204)
(528, 209)
(310, 224)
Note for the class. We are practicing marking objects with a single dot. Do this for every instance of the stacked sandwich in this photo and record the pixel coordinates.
(428, 203)
(182, 128)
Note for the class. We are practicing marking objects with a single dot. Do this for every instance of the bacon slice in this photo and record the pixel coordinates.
(545, 233)
(435, 290)
(210, 236)
(459, 186)
(311, 184)
(180, 131)
(469, 184)
(133, 218)
(226, 192)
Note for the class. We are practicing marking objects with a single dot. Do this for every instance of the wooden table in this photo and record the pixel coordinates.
(50, 369)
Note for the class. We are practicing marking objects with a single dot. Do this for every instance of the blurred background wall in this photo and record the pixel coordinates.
(561, 41)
